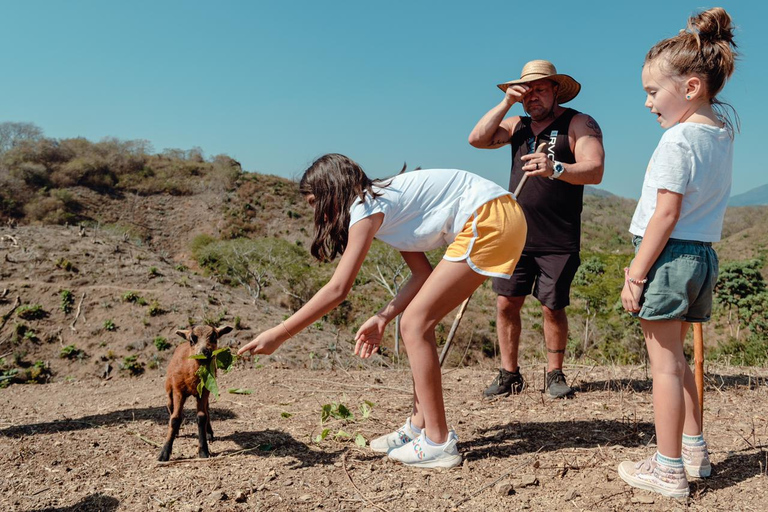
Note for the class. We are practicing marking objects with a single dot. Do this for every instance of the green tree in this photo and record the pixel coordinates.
(740, 287)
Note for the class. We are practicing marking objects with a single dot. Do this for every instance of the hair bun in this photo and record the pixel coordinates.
(712, 25)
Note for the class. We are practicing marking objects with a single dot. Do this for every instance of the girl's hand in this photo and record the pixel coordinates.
(630, 296)
(266, 342)
(369, 336)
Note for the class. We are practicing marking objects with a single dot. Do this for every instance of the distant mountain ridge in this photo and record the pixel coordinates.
(589, 190)
(755, 197)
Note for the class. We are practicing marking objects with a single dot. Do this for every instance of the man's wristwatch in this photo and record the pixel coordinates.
(557, 171)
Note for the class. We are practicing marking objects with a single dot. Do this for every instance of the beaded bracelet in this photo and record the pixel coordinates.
(632, 279)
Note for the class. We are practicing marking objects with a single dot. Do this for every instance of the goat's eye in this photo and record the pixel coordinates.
(193, 338)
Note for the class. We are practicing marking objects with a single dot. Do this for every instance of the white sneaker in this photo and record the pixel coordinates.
(420, 453)
(396, 439)
(652, 476)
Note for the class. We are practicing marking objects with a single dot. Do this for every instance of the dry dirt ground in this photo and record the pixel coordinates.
(92, 445)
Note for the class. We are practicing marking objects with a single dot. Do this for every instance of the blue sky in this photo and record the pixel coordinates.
(277, 84)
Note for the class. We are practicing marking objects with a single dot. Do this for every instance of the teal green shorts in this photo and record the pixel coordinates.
(680, 282)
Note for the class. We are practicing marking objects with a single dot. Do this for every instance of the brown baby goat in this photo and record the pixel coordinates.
(182, 381)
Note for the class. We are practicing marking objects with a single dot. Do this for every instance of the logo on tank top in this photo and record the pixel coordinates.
(551, 147)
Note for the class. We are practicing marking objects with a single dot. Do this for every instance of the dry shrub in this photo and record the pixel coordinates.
(56, 207)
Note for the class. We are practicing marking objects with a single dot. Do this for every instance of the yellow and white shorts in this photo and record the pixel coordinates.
(492, 239)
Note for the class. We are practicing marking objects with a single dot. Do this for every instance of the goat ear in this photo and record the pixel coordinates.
(183, 334)
(224, 329)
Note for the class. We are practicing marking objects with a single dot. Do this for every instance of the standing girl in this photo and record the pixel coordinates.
(680, 213)
(414, 212)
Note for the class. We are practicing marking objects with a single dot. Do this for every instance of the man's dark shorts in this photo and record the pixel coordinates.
(547, 275)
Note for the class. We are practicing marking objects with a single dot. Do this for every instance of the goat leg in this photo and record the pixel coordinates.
(203, 424)
(176, 404)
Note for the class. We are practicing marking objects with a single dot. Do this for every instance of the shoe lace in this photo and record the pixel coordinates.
(556, 376)
(645, 465)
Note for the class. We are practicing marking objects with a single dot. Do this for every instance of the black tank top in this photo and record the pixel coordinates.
(552, 207)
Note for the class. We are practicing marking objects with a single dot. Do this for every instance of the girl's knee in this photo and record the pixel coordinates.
(413, 327)
(671, 366)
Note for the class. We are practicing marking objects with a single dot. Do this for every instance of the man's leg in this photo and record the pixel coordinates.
(553, 288)
(508, 328)
(511, 294)
(555, 336)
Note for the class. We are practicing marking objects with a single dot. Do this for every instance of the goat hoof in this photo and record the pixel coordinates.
(203, 455)
(164, 457)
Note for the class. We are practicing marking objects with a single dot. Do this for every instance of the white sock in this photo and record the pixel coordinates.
(693, 440)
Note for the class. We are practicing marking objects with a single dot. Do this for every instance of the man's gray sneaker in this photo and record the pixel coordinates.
(556, 386)
(505, 383)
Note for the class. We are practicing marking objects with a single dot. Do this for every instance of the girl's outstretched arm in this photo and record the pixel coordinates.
(661, 225)
(329, 296)
(369, 335)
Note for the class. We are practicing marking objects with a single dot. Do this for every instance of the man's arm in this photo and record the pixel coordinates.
(493, 131)
(588, 151)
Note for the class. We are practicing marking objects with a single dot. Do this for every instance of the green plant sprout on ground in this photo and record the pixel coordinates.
(31, 312)
(67, 300)
(132, 365)
(339, 411)
(71, 352)
(134, 298)
(109, 325)
(161, 343)
(155, 309)
(221, 358)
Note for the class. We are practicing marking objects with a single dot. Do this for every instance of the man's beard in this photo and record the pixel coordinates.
(550, 114)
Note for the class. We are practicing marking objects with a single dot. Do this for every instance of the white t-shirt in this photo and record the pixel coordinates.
(695, 160)
(425, 209)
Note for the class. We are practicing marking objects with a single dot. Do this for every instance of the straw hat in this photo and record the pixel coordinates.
(538, 69)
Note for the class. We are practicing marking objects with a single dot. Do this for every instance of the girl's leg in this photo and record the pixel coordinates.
(668, 365)
(692, 425)
(449, 284)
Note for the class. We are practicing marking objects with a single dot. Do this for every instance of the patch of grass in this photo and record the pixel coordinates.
(155, 309)
(71, 352)
(66, 301)
(132, 365)
(31, 312)
(216, 320)
(134, 298)
(109, 325)
(67, 265)
(161, 343)
(39, 373)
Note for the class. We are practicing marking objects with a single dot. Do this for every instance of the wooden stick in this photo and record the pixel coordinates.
(77, 313)
(454, 328)
(698, 358)
(344, 464)
(148, 441)
(463, 307)
(10, 312)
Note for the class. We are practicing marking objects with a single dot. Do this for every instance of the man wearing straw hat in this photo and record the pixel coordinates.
(560, 150)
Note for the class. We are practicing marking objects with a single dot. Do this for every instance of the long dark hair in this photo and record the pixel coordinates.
(335, 181)
(705, 48)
